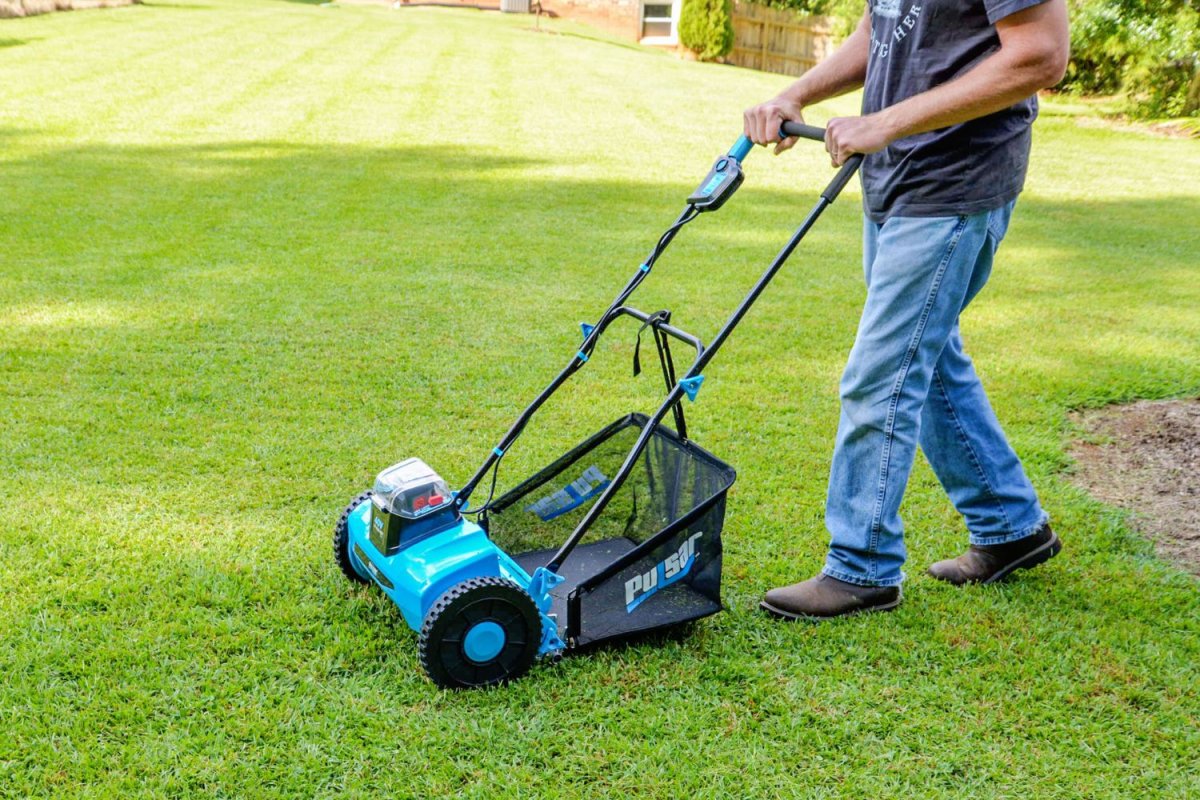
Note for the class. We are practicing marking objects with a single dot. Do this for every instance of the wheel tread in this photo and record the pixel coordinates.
(426, 645)
(341, 540)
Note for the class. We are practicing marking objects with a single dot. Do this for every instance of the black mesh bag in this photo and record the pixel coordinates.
(653, 557)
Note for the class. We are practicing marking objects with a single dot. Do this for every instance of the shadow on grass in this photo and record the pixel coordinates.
(460, 221)
(143, 189)
(198, 206)
(490, 255)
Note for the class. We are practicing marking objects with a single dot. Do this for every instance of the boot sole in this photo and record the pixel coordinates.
(792, 617)
(1030, 560)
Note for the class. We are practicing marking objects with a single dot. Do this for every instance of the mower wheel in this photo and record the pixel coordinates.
(481, 632)
(341, 541)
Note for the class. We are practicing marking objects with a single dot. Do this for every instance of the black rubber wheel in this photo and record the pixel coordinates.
(341, 540)
(469, 608)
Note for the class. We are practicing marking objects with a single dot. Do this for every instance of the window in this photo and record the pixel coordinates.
(658, 22)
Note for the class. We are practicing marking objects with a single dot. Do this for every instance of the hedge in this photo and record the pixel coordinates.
(1144, 51)
(706, 27)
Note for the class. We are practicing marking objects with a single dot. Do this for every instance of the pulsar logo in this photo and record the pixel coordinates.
(571, 496)
(674, 567)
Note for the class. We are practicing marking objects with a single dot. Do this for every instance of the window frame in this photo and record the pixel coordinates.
(673, 37)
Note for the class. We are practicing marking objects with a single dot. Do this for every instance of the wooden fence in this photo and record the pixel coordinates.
(778, 41)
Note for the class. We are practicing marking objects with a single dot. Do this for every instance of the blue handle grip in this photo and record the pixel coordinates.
(741, 148)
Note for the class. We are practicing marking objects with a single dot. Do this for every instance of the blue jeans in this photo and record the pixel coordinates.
(908, 381)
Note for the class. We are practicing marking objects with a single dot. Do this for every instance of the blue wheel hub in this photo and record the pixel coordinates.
(484, 641)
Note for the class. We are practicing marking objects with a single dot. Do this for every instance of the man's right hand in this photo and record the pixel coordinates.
(761, 123)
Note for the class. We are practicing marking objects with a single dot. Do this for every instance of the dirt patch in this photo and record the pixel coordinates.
(1145, 457)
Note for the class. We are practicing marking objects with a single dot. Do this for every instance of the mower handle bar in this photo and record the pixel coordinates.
(788, 129)
(705, 352)
(742, 147)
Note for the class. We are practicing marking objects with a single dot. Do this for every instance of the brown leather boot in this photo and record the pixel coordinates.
(823, 597)
(992, 563)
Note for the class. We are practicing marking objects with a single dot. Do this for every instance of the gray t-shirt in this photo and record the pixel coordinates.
(963, 169)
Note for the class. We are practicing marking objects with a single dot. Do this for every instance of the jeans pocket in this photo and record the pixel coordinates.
(998, 219)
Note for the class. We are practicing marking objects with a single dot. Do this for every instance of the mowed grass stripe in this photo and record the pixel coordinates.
(72, 86)
(220, 324)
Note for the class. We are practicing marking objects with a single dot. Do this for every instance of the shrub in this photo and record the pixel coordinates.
(706, 27)
(843, 14)
(1146, 50)
(1150, 52)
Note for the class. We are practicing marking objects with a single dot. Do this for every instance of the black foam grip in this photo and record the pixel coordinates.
(803, 131)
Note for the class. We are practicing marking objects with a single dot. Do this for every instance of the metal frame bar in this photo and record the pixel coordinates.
(702, 358)
(665, 327)
(704, 354)
(581, 357)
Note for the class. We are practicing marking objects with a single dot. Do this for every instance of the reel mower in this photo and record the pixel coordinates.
(618, 537)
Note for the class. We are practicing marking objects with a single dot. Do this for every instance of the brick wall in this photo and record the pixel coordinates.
(619, 17)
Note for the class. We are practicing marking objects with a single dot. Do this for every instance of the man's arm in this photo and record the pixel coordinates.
(842, 72)
(1034, 48)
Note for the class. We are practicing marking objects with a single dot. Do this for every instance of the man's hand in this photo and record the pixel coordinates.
(845, 136)
(838, 74)
(761, 123)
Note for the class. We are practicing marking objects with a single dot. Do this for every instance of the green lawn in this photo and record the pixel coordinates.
(252, 252)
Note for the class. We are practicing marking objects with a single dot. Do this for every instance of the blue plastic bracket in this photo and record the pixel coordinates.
(582, 356)
(498, 452)
(540, 584)
(644, 267)
(587, 329)
(691, 386)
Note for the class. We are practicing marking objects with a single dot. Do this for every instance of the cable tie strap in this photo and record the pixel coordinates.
(582, 356)
(655, 318)
(644, 267)
(499, 453)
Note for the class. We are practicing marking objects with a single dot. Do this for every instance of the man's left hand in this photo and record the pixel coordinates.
(845, 136)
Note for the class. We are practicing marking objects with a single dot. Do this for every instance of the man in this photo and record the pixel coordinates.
(949, 96)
